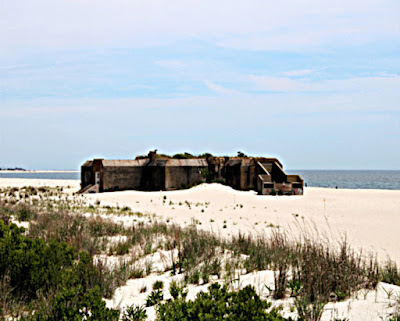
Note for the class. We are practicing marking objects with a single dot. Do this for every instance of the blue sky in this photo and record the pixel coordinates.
(316, 85)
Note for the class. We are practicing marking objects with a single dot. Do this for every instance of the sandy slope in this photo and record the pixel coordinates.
(369, 218)
(20, 182)
(363, 306)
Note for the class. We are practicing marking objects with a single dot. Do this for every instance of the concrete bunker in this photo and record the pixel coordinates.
(161, 172)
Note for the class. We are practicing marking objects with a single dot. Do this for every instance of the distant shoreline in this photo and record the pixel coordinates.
(36, 171)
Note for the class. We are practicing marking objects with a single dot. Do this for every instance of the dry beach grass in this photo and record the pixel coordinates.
(133, 248)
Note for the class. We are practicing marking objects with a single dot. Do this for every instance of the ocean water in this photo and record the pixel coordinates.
(41, 175)
(361, 179)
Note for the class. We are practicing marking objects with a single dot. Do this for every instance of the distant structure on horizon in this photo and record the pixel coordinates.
(161, 172)
(13, 169)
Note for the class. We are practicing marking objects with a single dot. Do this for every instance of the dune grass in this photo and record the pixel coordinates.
(313, 270)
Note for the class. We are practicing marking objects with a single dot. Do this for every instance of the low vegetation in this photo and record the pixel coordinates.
(53, 269)
(49, 278)
(219, 304)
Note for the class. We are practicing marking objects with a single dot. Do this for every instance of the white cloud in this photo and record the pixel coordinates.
(256, 25)
(171, 64)
(219, 89)
(280, 84)
(389, 84)
(372, 94)
(301, 72)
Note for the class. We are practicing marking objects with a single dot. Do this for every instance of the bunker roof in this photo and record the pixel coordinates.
(239, 161)
(158, 162)
(124, 162)
(88, 164)
(268, 160)
(194, 162)
(199, 162)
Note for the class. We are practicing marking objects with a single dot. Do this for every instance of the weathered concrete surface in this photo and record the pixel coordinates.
(152, 174)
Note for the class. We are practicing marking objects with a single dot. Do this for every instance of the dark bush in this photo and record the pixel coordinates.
(219, 304)
(155, 297)
(32, 265)
(135, 313)
(38, 270)
(76, 303)
(25, 213)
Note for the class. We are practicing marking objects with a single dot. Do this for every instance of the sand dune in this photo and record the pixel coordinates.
(369, 218)
(20, 182)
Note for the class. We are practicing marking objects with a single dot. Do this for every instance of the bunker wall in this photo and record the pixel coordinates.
(154, 178)
(181, 176)
(277, 173)
(122, 178)
(247, 177)
(232, 175)
(87, 177)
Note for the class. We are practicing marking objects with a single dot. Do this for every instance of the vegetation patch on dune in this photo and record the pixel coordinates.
(55, 268)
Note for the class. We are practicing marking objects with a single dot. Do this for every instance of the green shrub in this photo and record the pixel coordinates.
(121, 248)
(32, 265)
(47, 272)
(219, 304)
(25, 214)
(177, 290)
(193, 276)
(77, 304)
(309, 308)
(182, 156)
(205, 273)
(155, 297)
(147, 248)
(134, 313)
(207, 175)
(294, 286)
(158, 285)
(390, 273)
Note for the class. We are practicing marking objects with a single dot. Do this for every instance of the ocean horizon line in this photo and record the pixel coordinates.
(286, 169)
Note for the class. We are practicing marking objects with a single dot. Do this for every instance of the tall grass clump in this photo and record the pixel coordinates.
(56, 261)
(75, 229)
(315, 270)
(389, 273)
(195, 247)
(257, 249)
(326, 272)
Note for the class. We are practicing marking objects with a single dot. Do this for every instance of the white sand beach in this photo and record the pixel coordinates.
(369, 219)
(20, 182)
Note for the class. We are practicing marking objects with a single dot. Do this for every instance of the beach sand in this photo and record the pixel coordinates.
(20, 182)
(369, 219)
